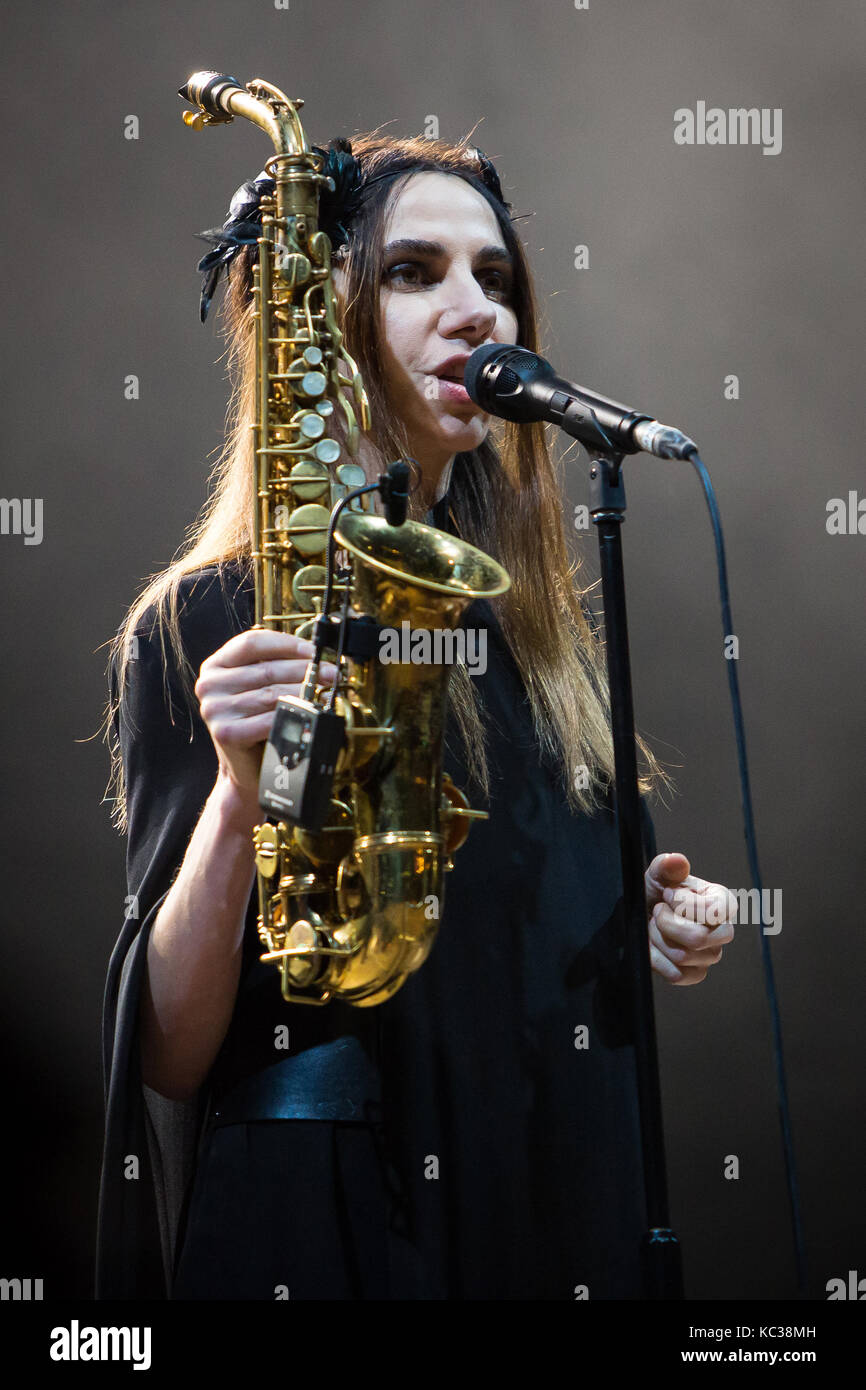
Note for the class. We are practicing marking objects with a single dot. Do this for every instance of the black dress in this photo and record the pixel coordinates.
(475, 1137)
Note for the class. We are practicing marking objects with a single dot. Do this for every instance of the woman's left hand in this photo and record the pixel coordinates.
(690, 920)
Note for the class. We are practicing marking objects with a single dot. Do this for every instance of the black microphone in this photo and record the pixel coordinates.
(517, 384)
(394, 487)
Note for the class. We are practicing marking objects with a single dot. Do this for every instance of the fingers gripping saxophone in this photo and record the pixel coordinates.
(348, 908)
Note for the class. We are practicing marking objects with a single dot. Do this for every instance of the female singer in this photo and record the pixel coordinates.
(476, 1136)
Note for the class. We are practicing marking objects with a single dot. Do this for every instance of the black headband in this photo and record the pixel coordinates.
(337, 209)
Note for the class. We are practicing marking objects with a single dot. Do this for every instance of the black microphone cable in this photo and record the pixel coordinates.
(752, 853)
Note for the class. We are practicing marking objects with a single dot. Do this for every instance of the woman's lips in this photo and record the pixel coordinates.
(453, 391)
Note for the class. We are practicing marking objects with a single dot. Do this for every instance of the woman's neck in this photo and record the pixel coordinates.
(426, 492)
(432, 491)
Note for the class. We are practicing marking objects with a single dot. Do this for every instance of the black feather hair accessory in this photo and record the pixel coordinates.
(337, 208)
(242, 227)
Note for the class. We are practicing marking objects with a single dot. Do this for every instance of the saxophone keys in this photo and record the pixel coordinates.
(313, 384)
(456, 816)
(266, 842)
(293, 269)
(309, 479)
(311, 357)
(307, 530)
(349, 476)
(311, 424)
(328, 451)
(307, 585)
(358, 388)
(353, 437)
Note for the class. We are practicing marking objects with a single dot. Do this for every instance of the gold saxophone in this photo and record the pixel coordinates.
(349, 909)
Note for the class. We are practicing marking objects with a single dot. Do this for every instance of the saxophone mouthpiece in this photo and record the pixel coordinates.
(209, 90)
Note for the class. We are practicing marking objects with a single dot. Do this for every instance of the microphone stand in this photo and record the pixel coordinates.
(660, 1250)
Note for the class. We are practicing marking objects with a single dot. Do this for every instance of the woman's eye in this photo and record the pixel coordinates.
(495, 283)
(407, 273)
(413, 275)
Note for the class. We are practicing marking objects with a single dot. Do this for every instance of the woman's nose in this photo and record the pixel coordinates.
(467, 311)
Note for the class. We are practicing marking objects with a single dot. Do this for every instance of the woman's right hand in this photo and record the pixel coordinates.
(237, 690)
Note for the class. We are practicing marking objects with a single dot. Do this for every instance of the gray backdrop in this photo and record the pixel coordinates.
(704, 261)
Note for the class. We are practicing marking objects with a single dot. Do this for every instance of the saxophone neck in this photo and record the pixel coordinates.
(220, 98)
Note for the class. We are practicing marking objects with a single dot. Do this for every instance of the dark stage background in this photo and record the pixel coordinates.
(703, 262)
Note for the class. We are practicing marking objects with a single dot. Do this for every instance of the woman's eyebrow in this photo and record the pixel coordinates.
(416, 247)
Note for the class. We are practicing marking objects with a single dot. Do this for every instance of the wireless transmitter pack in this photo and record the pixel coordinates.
(299, 760)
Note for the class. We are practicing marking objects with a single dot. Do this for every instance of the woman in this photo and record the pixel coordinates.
(477, 1135)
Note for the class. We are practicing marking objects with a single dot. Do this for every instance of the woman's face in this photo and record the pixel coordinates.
(445, 290)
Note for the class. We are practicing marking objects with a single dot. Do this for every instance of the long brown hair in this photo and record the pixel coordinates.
(506, 498)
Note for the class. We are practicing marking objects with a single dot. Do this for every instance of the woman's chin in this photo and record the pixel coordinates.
(462, 433)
